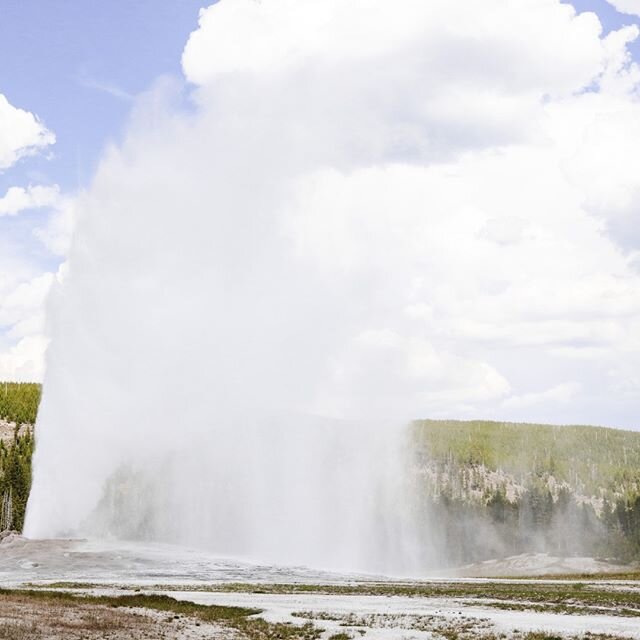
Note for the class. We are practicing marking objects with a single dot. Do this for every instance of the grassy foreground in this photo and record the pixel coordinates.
(244, 623)
(240, 619)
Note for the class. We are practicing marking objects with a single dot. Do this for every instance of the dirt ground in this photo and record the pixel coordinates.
(29, 619)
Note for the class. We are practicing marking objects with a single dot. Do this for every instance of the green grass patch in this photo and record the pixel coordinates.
(577, 597)
(241, 619)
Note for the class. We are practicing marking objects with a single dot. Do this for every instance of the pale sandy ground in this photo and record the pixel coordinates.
(399, 618)
(396, 617)
(29, 619)
(386, 617)
(538, 564)
(23, 560)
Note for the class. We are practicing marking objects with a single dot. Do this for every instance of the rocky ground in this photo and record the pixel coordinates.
(8, 430)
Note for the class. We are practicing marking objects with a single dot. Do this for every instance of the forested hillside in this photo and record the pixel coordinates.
(18, 407)
(500, 489)
(19, 402)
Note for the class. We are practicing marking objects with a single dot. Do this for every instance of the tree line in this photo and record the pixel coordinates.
(15, 480)
(535, 522)
(498, 489)
(18, 405)
(19, 402)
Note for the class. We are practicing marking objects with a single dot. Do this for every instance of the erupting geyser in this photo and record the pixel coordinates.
(214, 376)
(350, 214)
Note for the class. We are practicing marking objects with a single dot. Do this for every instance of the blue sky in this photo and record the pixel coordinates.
(78, 65)
(609, 17)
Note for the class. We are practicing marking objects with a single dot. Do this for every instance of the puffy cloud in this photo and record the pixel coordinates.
(461, 270)
(631, 7)
(447, 77)
(21, 134)
(460, 178)
(561, 393)
(551, 48)
(24, 362)
(482, 168)
(57, 232)
(399, 375)
(23, 297)
(24, 287)
(23, 291)
(19, 199)
(22, 308)
(23, 284)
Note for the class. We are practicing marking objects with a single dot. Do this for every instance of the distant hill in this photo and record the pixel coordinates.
(589, 459)
(495, 489)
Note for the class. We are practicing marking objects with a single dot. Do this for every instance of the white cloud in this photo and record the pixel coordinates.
(24, 287)
(558, 284)
(505, 230)
(631, 7)
(21, 134)
(461, 179)
(282, 35)
(561, 393)
(19, 199)
(400, 375)
(502, 204)
(23, 291)
(57, 232)
(24, 362)
(23, 341)
(22, 308)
